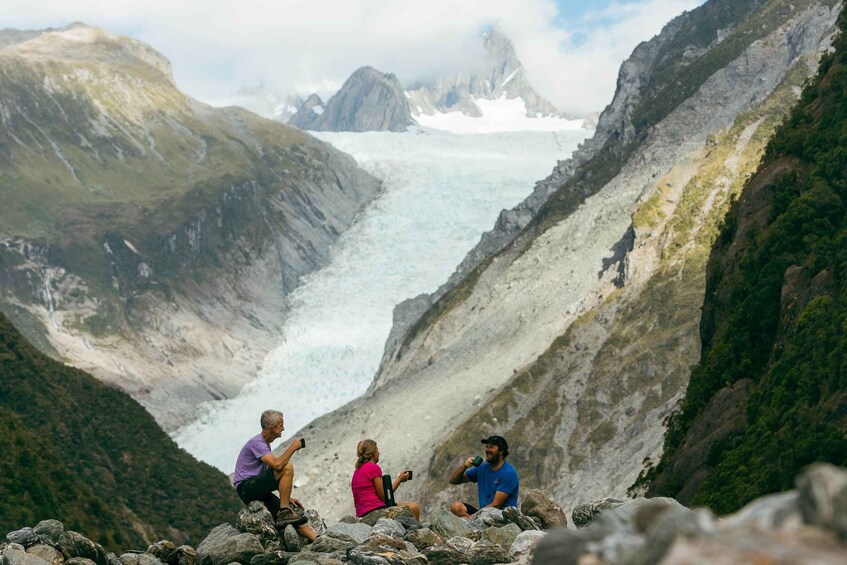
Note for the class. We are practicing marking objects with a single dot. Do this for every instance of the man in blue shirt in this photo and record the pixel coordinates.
(497, 481)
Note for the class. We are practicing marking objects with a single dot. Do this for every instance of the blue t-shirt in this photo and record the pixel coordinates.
(488, 482)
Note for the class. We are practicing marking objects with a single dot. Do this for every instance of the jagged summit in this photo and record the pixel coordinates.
(501, 75)
(369, 100)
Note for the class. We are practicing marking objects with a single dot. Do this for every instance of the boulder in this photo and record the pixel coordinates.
(488, 517)
(73, 544)
(50, 530)
(291, 539)
(823, 497)
(424, 538)
(388, 527)
(525, 544)
(137, 558)
(164, 550)
(331, 542)
(445, 555)
(358, 531)
(256, 519)
(461, 544)
(379, 549)
(79, 561)
(448, 525)
(315, 521)
(515, 516)
(538, 505)
(46, 552)
(584, 514)
(225, 545)
(273, 558)
(25, 537)
(504, 536)
(487, 553)
(392, 512)
(17, 555)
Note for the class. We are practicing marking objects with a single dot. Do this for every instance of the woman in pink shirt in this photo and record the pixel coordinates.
(368, 494)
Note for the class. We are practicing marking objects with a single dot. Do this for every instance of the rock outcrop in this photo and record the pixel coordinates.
(146, 237)
(368, 101)
(501, 75)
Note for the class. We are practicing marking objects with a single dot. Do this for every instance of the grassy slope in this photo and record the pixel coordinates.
(775, 315)
(79, 451)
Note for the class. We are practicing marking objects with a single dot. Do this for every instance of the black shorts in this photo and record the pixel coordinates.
(471, 508)
(261, 487)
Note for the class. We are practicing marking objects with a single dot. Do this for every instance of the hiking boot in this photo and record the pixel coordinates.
(287, 516)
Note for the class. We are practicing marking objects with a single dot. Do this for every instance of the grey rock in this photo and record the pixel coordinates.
(358, 531)
(224, 544)
(515, 516)
(315, 521)
(273, 558)
(291, 539)
(770, 512)
(186, 555)
(319, 559)
(135, 558)
(503, 536)
(380, 549)
(823, 497)
(445, 555)
(584, 514)
(487, 553)
(50, 530)
(256, 519)
(461, 544)
(79, 561)
(164, 550)
(393, 512)
(488, 517)
(408, 522)
(368, 101)
(388, 527)
(46, 552)
(538, 505)
(73, 544)
(16, 555)
(424, 538)
(25, 536)
(525, 543)
(448, 525)
(332, 541)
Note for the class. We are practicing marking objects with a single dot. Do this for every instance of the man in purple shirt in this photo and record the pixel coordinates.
(258, 473)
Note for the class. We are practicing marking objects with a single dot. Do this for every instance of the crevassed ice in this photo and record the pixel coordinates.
(441, 192)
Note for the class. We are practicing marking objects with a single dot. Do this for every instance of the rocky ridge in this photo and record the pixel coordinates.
(147, 237)
(368, 101)
(806, 525)
(501, 75)
(543, 340)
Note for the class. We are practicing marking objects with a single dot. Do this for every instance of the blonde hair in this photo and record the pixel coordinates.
(365, 451)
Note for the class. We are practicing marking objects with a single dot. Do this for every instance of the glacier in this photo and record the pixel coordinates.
(441, 192)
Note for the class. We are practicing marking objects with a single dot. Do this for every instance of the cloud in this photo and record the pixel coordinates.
(219, 46)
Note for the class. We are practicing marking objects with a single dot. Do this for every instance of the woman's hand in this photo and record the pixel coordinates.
(404, 476)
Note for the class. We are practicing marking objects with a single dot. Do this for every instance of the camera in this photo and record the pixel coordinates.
(477, 461)
(410, 475)
(302, 442)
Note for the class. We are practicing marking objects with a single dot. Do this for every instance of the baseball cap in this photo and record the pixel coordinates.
(499, 441)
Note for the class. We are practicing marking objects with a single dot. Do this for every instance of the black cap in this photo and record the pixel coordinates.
(499, 441)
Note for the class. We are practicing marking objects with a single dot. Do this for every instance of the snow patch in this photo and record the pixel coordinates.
(500, 115)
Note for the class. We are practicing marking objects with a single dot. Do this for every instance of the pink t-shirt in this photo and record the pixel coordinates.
(365, 497)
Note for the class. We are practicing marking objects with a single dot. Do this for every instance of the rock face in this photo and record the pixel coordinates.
(535, 330)
(146, 235)
(368, 101)
(501, 75)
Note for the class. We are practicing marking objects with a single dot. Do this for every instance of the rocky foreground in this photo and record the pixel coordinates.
(806, 525)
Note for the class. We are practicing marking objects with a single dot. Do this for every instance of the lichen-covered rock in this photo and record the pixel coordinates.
(384, 549)
(389, 527)
(273, 558)
(73, 544)
(461, 544)
(823, 497)
(25, 537)
(487, 553)
(424, 538)
(538, 505)
(225, 545)
(256, 519)
(503, 536)
(392, 512)
(584, 514)
(445, 555)
(448, 525)
(50, 530)
(488, 517)
(164, 551)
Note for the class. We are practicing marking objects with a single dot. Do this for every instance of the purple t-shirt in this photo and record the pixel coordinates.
(249, 462)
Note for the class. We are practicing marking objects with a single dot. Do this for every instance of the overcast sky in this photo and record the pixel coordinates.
(572, 49)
